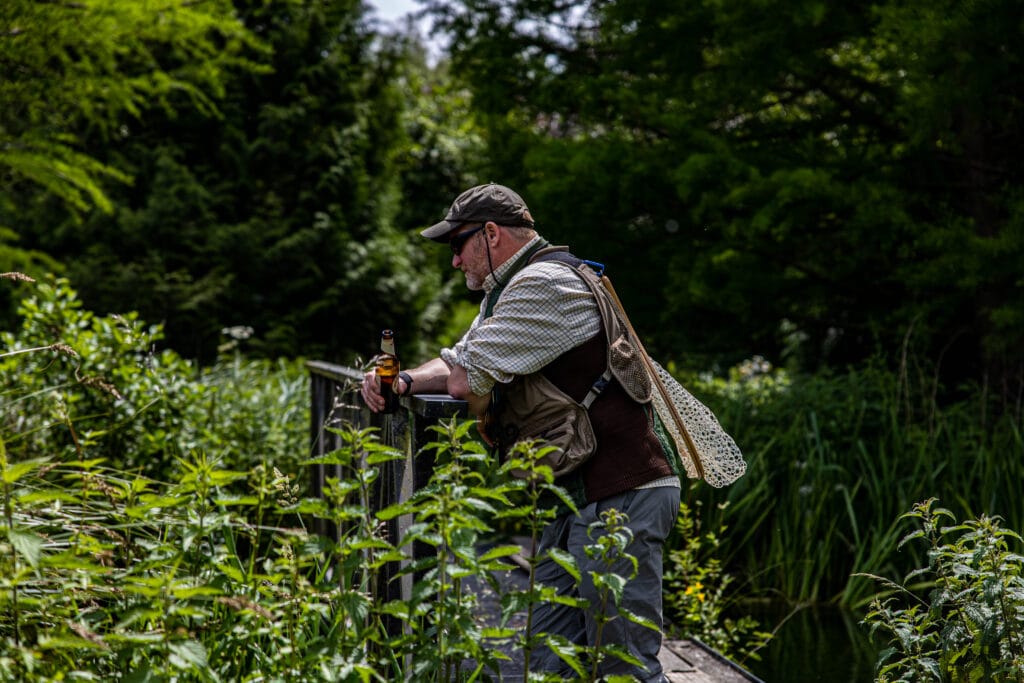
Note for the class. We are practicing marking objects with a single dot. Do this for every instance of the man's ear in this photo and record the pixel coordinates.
(493, 233)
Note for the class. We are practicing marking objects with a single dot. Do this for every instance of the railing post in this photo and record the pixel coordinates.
(335, 400)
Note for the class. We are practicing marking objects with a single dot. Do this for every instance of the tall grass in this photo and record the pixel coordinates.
(834, 460)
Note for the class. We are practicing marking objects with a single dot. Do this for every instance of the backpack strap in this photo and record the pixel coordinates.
(562, 255)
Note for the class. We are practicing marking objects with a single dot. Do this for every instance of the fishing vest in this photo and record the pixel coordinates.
(540, 406)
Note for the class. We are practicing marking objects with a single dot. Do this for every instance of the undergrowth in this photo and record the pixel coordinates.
(154, 527)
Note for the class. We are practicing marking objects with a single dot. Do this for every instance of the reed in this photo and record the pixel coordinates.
(835, 459)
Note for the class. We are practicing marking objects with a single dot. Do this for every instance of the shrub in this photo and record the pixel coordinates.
(961, 617)
(698, 593)
(98, 386)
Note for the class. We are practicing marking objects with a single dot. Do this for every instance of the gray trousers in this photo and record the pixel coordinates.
(652, 514)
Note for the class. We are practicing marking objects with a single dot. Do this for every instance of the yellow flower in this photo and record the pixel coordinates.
(694, 590)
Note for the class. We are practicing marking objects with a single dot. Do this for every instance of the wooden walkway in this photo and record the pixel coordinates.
(683, 661)
(687, 661)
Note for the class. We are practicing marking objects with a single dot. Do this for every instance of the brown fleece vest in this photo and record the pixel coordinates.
(628, 453)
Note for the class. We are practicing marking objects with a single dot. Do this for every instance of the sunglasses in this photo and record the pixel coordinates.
(459, 241)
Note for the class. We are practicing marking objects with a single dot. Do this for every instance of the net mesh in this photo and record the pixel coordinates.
(719, 455)
(628, 368)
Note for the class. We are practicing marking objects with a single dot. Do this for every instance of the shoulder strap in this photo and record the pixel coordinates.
(562, 255)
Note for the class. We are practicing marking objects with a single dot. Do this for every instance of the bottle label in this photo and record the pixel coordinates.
(387, 370)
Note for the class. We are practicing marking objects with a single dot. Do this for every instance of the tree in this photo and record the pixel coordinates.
(91, 65)
(72, 65)
(783, 179)
(276, 212)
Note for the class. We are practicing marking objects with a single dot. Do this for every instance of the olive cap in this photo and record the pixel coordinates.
(490, 202)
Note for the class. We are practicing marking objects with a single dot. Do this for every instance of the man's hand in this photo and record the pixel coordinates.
(429, 378)
(370, 390)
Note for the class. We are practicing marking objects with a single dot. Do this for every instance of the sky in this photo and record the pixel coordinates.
(390, 10)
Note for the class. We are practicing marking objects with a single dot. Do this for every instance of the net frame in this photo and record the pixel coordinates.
(706, 451)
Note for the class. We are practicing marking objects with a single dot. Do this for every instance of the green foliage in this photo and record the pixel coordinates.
(960, 617)
(699, 596)
(536, 489)
(847, 170)
(279, 200)
(215, 576)
(450, 516)
(197, 562)
(255, 411)
(96, 384)
(834, 459)
(610, 539)
(72, 66)
(99, 387)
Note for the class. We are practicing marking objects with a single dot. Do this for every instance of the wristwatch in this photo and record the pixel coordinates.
(405, 377)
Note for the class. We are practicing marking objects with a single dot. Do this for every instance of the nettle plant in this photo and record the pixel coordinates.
(204, 570)
(108, 576)
(961, 617)
(144, 538)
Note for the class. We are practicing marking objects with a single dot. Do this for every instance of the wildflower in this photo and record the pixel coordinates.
(19, 277)
(695, 590)
(238, 332)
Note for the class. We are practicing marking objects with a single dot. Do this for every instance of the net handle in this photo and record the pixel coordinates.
(656, 379)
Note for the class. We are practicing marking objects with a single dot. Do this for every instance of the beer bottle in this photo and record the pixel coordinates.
(387, 370)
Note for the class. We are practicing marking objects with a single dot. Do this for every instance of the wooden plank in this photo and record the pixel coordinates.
(690, 661)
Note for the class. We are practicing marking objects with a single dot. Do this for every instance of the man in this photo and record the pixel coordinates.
(539, 316)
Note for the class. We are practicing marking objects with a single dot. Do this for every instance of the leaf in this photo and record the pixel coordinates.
(562, 495)
(13, 473)
(500, 551)
(611, 582)
(392, 511)
(234, 573)
(236, 500)
(186, 592)
(565, 561)
(567, 652)
(383, 456)
(919, 533)
(69, 642)
(188, 654)
(28, 545)
(621, 653)
(639, 620)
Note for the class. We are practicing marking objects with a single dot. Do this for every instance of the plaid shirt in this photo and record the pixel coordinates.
(544, 311)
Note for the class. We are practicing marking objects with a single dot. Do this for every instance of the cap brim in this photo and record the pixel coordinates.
(439, 231)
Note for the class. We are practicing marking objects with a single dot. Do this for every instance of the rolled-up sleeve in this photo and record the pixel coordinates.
(544, 311)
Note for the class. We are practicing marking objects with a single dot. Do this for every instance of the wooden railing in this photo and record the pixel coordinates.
(334, 401)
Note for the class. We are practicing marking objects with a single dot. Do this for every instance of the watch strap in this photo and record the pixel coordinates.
(407, 378)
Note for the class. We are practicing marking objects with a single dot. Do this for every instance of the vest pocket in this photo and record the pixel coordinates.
(536, 410)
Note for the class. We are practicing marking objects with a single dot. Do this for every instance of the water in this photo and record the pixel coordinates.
(814, 644)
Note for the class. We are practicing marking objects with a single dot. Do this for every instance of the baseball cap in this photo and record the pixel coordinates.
(490, 202)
